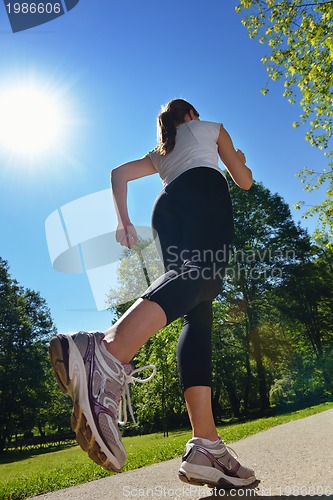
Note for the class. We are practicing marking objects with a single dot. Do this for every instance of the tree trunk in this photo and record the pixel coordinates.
(257, 354)
(229, 386)
(246, 396)
(233, 398)
(262, 386)
(40, 430)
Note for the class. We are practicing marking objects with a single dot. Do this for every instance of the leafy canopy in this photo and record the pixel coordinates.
(299, 35)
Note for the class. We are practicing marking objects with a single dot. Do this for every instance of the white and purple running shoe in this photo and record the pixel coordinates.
(213, 465)
(98, 384)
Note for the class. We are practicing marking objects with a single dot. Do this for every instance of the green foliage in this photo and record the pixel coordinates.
(300, 42)
(137, 269)
(305, 384)
(25, 324)
(160, 403)
(266, 243)
(308, 289)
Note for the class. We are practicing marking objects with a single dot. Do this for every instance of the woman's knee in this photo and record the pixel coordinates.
(201, 315)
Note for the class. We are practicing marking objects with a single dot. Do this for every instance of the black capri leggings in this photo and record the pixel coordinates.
(193, 220)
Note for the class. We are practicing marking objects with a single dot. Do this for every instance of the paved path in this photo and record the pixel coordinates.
(291, 459)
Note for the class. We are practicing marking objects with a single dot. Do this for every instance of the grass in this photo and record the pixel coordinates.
(26, 474)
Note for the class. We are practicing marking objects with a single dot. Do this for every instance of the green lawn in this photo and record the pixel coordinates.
(31, 473)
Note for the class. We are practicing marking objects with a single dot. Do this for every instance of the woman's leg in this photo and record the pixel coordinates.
(194, 353)
(194, 349)
(199, 406)
(133, 329)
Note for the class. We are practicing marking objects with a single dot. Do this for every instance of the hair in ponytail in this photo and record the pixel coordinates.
(172, 115)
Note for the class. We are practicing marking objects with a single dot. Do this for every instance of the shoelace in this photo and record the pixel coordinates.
(229, 449)
(126, 397)
(226, 447)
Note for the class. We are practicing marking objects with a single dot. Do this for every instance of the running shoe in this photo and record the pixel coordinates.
(98, 384)
(213, 466)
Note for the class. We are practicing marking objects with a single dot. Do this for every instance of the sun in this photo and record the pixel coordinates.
(31, 120)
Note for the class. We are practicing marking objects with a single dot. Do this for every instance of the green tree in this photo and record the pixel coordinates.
(266, 243)
(25, 324)
(306, 297)
(137, 269)
(299, 36)
(160, 404)
(230, 355)
(53, 409)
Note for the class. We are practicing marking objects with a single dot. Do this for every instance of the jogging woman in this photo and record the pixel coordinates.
(192, 217)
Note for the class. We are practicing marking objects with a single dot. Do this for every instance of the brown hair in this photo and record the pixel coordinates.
(169, 118)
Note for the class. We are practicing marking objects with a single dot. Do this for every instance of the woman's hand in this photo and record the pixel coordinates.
(126, 235)
(241, 155)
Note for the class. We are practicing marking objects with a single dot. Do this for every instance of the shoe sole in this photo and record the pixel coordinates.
(193, 474)
(86, 433)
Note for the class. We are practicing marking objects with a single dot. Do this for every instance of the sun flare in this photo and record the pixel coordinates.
(31, 121)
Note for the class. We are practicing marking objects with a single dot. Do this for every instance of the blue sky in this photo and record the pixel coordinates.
(109, 66)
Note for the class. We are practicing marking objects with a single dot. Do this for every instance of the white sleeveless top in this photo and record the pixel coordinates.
(196, 146)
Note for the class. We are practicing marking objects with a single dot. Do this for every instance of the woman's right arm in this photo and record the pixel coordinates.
(234, 160)
(120, 176)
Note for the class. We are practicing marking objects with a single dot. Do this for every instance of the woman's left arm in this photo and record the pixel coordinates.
(120, 176)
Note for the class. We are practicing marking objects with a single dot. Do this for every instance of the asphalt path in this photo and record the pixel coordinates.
(290, 460)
